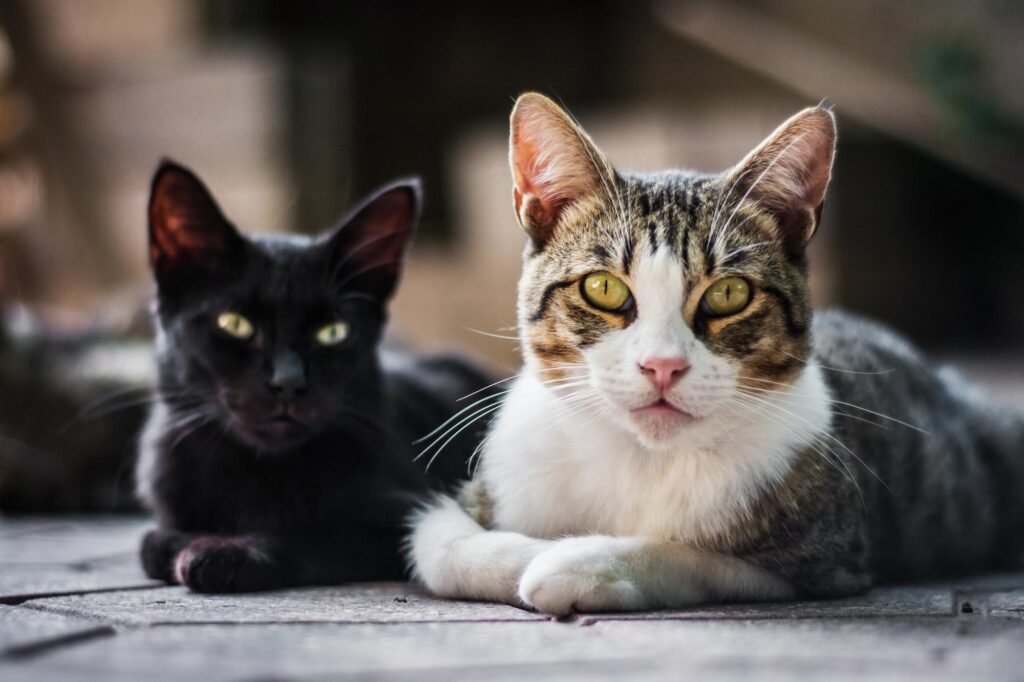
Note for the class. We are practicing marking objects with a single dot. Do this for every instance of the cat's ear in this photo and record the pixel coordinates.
(188, 234)
(367, 246)
(554, 165)
(788, 174)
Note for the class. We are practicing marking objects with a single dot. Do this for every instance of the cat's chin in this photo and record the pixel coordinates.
(659, 423)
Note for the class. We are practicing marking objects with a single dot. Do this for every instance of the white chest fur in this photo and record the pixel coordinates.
(551, 475)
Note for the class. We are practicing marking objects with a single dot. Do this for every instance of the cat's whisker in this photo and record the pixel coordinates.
(757, 181)
(724, 260)
(476, 417)
(457, 415)
(838, 369)
(465, 421)
(609, 185)
(840, 402)
(720, 204)
(493, 336)
(520, 374)
(822, 449)
(827, 435)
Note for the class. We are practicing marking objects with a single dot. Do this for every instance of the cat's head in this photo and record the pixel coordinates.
(668, 296)
(273, 337)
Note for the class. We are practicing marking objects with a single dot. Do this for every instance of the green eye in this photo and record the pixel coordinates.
(235, 325)
(332, 334)
(605, 291)
(727, 296)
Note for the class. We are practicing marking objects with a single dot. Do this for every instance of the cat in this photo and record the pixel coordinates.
(684, 430)
(71, 405)
(279, 452)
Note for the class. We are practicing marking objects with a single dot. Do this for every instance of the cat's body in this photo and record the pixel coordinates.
(682, 431)
(71, 405)
(281, 451)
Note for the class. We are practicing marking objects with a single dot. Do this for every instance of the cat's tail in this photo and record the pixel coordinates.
(454, 556)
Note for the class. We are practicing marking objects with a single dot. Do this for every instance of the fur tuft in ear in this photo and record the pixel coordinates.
(788, 174)
(368, 245)
(188, 234)
(554, 164)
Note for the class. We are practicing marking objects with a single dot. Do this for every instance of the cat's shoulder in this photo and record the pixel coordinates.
(841, 335)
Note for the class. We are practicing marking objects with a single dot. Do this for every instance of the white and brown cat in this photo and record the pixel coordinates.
(679, 433)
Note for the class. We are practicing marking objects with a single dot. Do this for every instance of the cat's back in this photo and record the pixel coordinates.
(934, 456)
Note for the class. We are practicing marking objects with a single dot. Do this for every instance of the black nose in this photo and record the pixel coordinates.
(288, 375)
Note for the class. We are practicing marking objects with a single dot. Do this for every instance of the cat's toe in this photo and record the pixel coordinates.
(157, 554)
(577, 575)
(214, 564)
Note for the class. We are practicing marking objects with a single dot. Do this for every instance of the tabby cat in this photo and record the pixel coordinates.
(683, 431)
(279, 451)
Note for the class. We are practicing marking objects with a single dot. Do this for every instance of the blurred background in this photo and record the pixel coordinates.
(292, 110)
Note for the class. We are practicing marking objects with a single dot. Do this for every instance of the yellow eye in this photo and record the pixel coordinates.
(606, 291)
(727, 296)
(235, 325)
(332, 334)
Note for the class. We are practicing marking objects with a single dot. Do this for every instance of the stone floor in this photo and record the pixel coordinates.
(75, 606)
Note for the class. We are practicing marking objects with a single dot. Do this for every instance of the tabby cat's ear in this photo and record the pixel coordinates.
(188, 234)
(788, 174)
(554, 165)
(367, 246)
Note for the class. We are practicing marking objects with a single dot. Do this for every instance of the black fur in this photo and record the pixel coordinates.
(275, 460)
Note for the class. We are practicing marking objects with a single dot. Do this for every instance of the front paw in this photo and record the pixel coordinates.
(584, 574)
(159, 549)
(224, 564)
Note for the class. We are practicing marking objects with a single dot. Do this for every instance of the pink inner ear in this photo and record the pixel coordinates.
(551, 166)
(186, 227)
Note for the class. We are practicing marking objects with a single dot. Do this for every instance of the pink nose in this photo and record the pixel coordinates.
(663, 372)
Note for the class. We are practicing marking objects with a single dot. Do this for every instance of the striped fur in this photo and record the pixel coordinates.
(818, 455)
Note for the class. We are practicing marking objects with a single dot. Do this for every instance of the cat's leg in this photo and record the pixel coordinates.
(603, 573)
(213, 563)
(454, 556)
(159, 550)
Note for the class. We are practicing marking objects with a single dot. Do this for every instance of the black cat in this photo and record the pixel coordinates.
(280, 450)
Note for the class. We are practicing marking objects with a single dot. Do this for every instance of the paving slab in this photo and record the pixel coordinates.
(368, 603)
(926, 649)
(926, 600)
(32, 541)
(69, 555)
(19, 582)
(23, 631)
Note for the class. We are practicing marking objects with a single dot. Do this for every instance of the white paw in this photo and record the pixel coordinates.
(585, 574)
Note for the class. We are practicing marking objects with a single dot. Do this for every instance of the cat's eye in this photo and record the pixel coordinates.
(727, 296)
(235, 325)
(605, 291)
(332, 334)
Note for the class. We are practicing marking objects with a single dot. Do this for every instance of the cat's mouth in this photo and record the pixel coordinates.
(661, 415)
(281, 428)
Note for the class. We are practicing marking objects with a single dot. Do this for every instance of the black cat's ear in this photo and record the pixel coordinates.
(188, 234)
(367, 246)
(788, 173)
(555, 165)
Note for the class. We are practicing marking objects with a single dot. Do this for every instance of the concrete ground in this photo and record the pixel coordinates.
(74, 605)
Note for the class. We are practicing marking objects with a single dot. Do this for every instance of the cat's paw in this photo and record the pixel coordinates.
(223, 564)
(158, 552)
(585, 574)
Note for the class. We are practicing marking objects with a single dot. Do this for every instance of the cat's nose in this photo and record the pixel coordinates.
(288, 377)
(664, 371)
